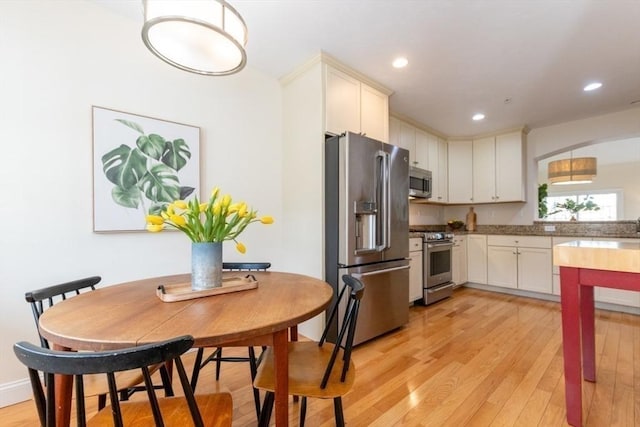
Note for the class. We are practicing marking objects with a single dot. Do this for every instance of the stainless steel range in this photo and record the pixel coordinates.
(436, 266)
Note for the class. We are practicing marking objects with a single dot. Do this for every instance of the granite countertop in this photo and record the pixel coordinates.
(600, 229)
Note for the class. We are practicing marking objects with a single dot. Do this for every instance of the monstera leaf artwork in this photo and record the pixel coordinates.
(145, 170)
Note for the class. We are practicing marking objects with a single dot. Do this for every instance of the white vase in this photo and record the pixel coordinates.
(206, 265)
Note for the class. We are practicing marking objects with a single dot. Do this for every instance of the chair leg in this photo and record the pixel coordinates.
(253, 366)
(337, 407)
(267, 408)
(196, 368)
(218, 355)
(102, 401)
(166, 381)
(303, 410)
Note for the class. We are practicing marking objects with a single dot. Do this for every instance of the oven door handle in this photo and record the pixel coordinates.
(439, 245)
(373, 273)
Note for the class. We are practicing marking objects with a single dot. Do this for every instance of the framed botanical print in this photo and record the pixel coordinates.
(140, 165)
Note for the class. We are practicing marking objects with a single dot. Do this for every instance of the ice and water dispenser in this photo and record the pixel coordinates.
(366, 214)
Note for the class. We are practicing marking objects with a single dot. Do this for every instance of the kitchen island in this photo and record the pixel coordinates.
(585, 264)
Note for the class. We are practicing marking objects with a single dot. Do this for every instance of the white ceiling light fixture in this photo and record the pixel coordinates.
(478, 116)
(592, 86)
(400, 62)
(579, 170)
(200, 36)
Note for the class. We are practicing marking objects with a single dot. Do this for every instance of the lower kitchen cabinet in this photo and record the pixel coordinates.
(477, 258)
(520, 262)
(459, 260)
(415, 269)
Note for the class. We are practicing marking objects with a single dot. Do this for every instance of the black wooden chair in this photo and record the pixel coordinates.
(311, 364)
(217, 353)
(204, 410)
(44, 298)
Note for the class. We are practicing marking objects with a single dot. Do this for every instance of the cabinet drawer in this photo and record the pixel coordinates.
(520, 241)
(415, 244)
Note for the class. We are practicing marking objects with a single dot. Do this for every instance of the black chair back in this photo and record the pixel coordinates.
(44, 298)
(348, 326)
(51, 362)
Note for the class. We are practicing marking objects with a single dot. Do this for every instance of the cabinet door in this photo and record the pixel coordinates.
(534, 270)
(460, 161)
(374, 113)
(394, 131)
(459, 261)
(422, 150)
(509, 166)
(477, 258)
(442, 183)
(342, 102)
(408, 140)
(415, 275)
(502, 266)
(484, 166)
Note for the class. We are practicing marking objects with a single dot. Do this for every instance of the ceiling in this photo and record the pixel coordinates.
(520, 62)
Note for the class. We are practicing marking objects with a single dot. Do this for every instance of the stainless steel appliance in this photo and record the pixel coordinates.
(420, 182)
(436, 266)
(367, 228)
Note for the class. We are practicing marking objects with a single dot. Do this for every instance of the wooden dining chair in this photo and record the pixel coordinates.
(311, 364)
(42, 299)
(217, 353)
(213, 410)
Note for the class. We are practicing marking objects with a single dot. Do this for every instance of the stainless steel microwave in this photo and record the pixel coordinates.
(420, 183)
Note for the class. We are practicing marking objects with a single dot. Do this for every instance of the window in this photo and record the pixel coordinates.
(609, 202)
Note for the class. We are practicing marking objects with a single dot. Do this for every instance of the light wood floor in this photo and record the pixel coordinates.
(476, 359)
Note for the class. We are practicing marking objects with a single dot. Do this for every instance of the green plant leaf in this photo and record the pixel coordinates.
(185, 192)
(157, 208)
(132, 125)
(124, 167)
(127, 197)
(176, 154)
(160, 184)
(152, 145)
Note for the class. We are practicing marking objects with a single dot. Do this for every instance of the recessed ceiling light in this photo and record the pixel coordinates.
(400, 62)
(592, 86)
(478, 116)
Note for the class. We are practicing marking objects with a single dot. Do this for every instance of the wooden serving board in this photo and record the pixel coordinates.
(182, 291)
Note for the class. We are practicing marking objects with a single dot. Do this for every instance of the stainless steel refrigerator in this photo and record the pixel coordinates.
(367, 228)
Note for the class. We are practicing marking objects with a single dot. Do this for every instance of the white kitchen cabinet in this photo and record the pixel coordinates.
(460, 170)
(354, 106)
(498, 168)
(422, 150)
(520, 262)
(459, 260)
(415, 269)
(435, 154)
(407, 140)
(477, 258)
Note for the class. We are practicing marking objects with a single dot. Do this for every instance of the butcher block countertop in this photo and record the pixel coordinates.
(598, 255)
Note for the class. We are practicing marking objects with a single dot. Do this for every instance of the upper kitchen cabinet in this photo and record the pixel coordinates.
(460, 158)
(498, 168)
(354, 105)
(426, 151)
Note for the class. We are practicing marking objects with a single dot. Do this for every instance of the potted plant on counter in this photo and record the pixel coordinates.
(573, 207)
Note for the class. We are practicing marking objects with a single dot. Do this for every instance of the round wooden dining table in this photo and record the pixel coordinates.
(131, 314)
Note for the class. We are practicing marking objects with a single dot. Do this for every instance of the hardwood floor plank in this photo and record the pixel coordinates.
(476, 359)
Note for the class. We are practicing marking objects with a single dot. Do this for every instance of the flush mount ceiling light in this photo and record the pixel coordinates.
(592, 86)
(200, 36)
(581, 170)
(478, 116)
(400, 62)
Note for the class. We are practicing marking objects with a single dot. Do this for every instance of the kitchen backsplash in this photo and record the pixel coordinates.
(620, 229)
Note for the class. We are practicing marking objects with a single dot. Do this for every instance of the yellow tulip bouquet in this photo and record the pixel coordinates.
(214, 221)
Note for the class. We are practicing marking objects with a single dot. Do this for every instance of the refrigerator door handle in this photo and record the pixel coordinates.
(373, 273)
(383, 194)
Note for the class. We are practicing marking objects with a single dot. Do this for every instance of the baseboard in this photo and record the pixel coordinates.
(15, 392)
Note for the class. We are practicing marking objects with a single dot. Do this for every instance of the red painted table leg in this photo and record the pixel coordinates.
(587, 323)
(570, 299)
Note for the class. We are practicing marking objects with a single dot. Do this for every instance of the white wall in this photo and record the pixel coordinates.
(58, 59)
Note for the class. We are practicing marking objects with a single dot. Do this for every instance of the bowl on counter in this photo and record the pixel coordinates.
(455, 224)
